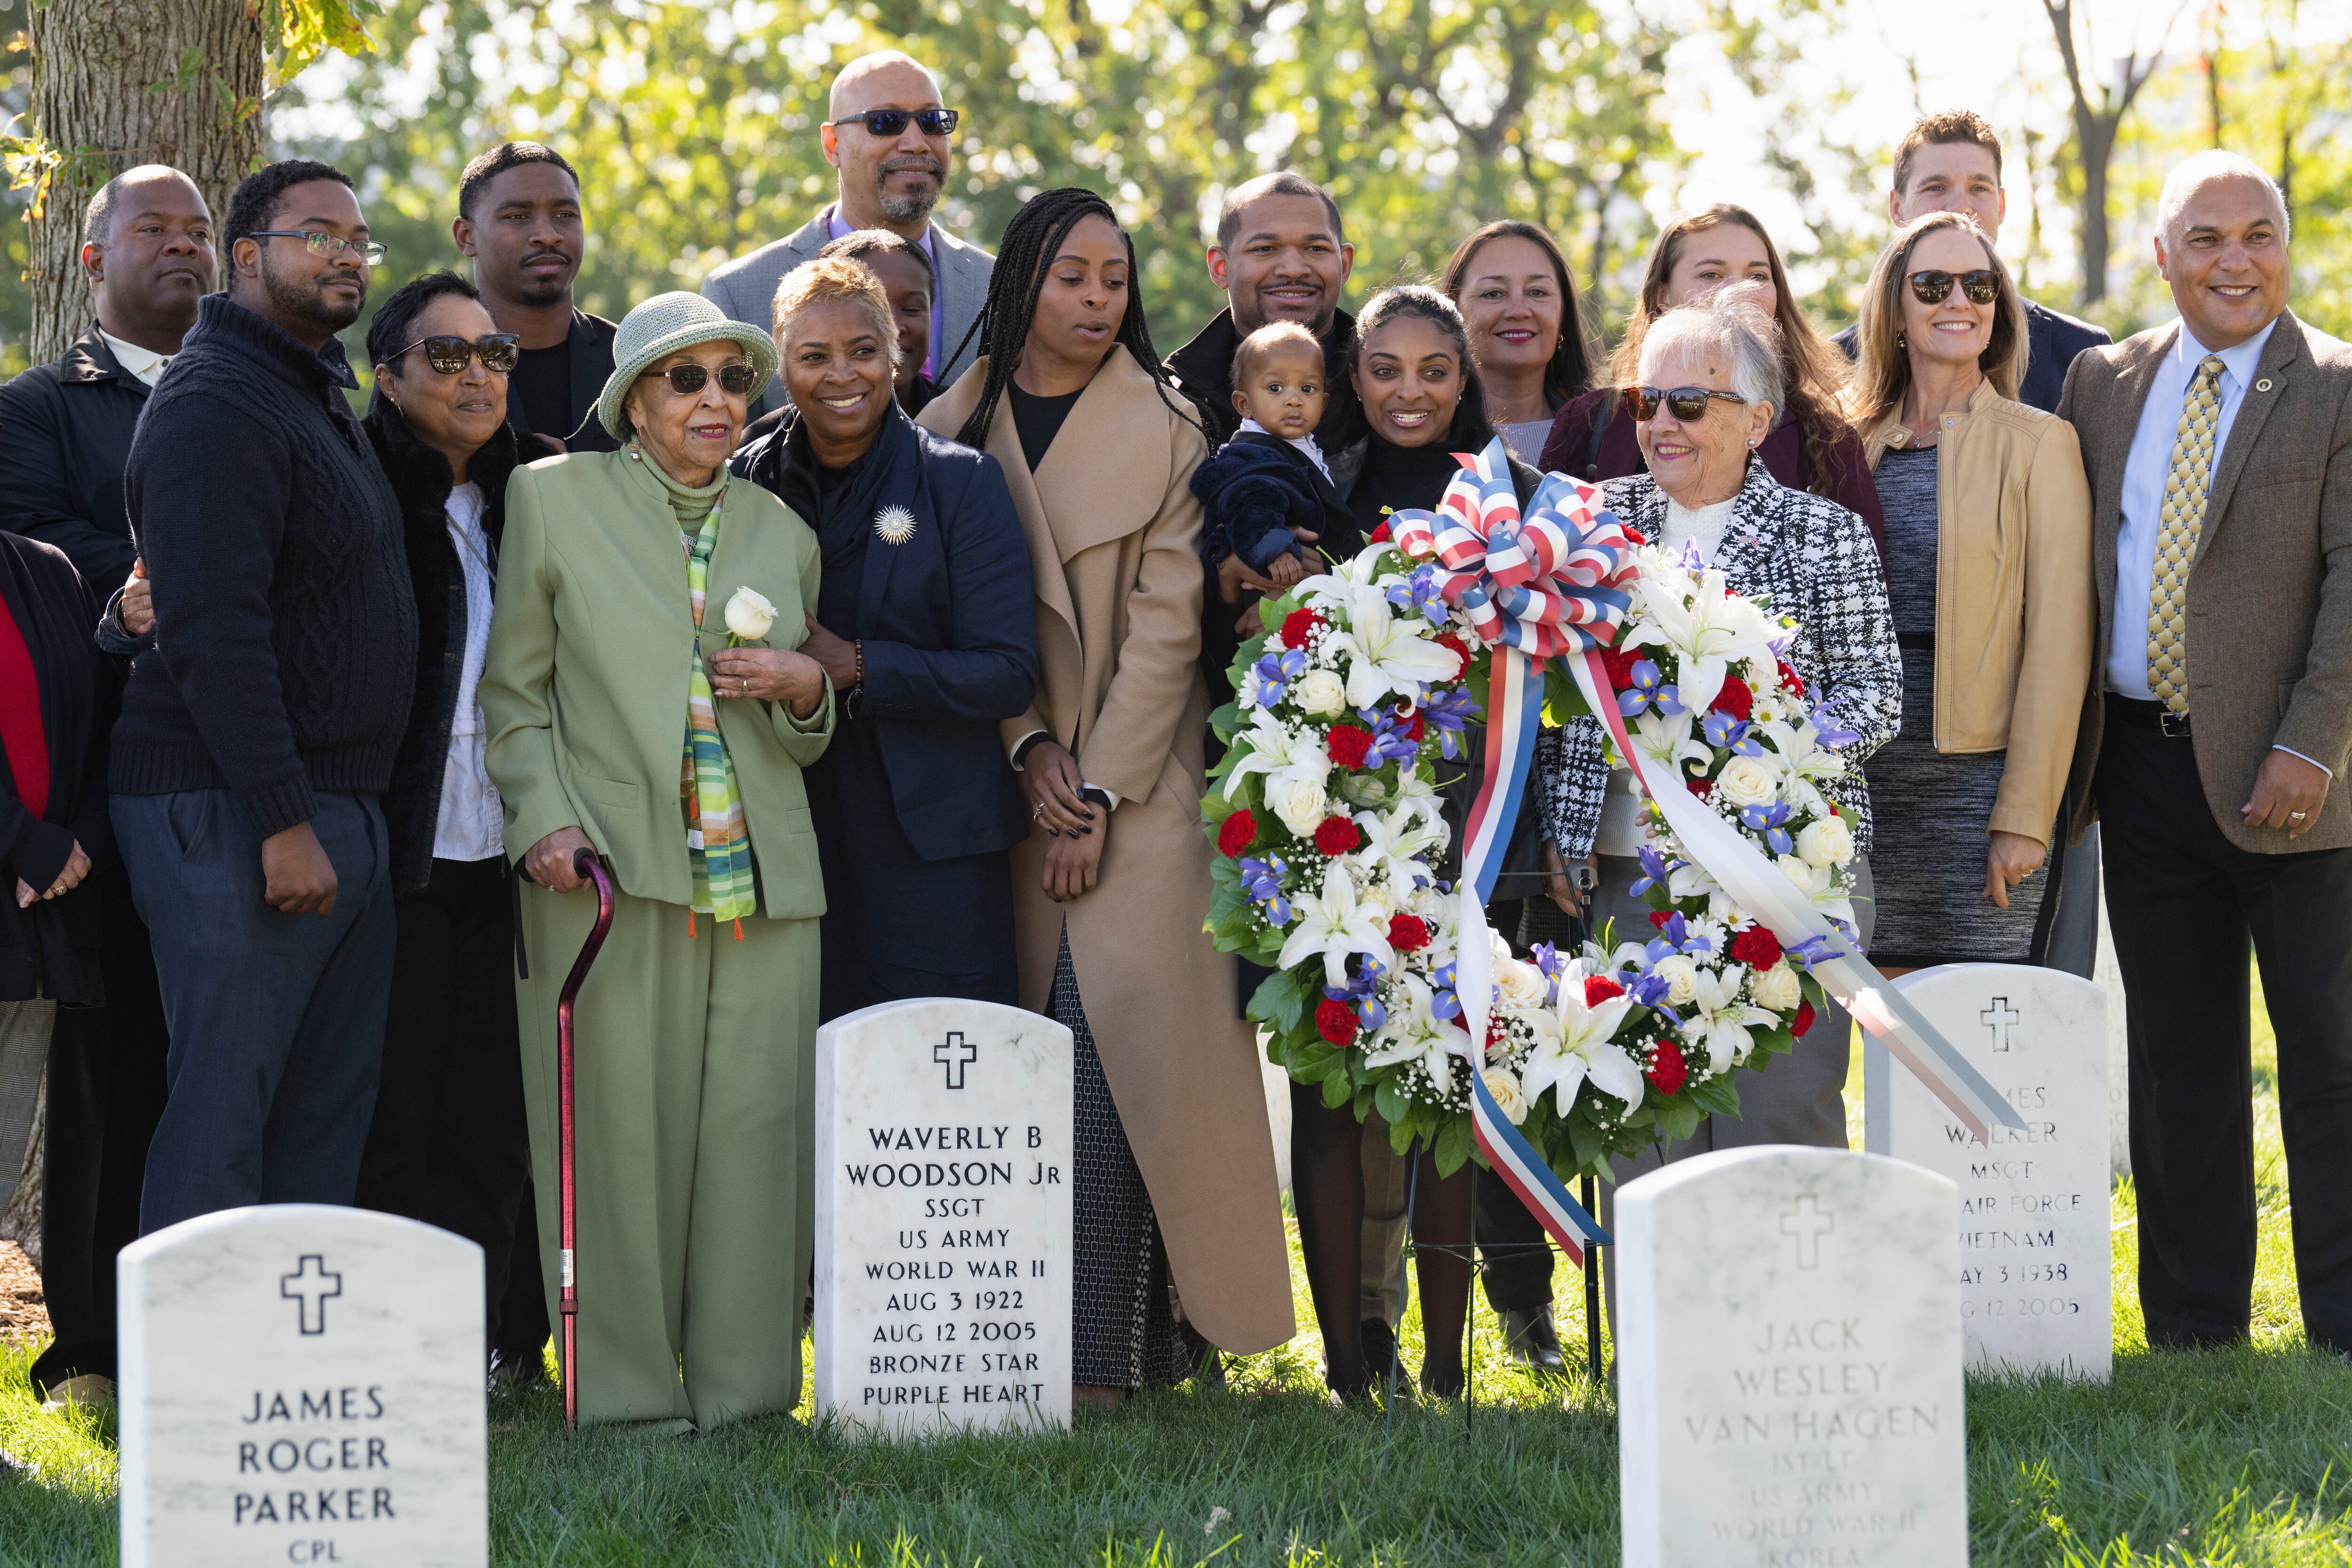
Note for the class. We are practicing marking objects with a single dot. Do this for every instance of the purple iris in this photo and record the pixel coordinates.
(1362, 993)
(1262, 879)
(1766, 820)
(1419, 592)
(1722, 729)
(1815, 950)
(1389, 741)
(1653, 871)
(1446, 712)
(1276, 672)
(1828, 732)
(1648, 687)
(1443, 1003)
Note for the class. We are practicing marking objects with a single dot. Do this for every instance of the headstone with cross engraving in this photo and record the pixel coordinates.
(1789, 1363)
(2036, 1243)
(302, 1383)
(944, 1166)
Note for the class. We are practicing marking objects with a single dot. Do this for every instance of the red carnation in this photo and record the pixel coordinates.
(1667, 1069)
(1620, 662)
(1756, 947)
(1804, 1019)
(1408, 934)
(1448, 639)
(1348, 744)
(1338, 835)
(1599, 988)
(1702, 788)
(1410, 725)
(1379, 535)
(1791, 680)
(1236, 833)
(1335, 1021)
(1658, 918)
(1298, 626)
(1735, 699)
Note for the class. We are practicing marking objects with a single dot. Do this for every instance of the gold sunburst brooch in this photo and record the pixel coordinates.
(895, 524)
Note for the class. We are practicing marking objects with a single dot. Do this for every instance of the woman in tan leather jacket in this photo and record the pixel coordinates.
(1989, 571)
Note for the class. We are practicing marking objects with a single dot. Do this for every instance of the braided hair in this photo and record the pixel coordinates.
(1031, 240)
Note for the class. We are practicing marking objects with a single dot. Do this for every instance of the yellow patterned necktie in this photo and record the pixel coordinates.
(2176, 541)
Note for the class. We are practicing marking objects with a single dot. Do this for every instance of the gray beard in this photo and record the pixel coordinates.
(907, 209)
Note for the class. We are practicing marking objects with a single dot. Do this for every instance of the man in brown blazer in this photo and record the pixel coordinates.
(2219, 455)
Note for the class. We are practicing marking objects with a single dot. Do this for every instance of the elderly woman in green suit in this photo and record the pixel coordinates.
(625, 718)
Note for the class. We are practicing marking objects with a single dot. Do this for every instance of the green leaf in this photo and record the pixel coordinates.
(1278, 1000)
(1454, 1141)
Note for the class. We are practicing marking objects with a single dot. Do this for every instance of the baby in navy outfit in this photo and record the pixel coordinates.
(1271, 477)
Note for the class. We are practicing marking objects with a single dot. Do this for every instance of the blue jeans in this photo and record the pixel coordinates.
(276, 1020)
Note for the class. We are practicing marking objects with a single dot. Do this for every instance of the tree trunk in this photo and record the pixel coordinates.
(2095, 134)
(118, 83)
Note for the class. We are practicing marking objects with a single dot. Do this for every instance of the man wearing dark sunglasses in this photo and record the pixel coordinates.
(520, 216)
(248, 764)
(893, 142)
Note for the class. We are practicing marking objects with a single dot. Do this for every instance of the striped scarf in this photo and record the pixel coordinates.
(718, 845)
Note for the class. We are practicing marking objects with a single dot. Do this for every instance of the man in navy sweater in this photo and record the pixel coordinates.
(260, 729)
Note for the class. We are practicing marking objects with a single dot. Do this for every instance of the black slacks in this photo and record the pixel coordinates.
(106, 1094)
(2184, 904)
(448, 1144)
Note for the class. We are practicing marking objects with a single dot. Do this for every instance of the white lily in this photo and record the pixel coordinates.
(1413, 1033)
(1338, 585)
(1418, 795)
(1664, 743)
(1708, 630)
(1574, 1045)
(1274, 747)
(1391, 843)
(1334, 924)
(1387, 653)
(1719, 1021)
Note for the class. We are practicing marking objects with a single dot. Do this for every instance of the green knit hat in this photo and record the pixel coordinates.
(661, 327)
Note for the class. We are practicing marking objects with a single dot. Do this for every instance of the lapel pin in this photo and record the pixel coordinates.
(2263, 385)
(894, 524)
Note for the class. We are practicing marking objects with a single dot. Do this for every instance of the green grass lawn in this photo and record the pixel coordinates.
(2241, 1457)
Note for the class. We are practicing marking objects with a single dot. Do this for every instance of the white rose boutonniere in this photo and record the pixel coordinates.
(750, 615)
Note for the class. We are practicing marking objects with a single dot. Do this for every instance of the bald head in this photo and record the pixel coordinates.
(2194, 177)
(147, 253)
(883, 79)
(124, 193)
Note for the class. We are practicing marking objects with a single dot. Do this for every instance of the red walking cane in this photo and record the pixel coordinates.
(586, 864)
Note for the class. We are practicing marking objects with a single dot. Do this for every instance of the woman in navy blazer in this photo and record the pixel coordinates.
(925, 624)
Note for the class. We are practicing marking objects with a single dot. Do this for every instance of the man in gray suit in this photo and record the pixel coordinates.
(891, 139)
(2219, 450)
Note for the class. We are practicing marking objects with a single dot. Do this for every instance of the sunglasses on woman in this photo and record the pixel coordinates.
(448, 353)
(686, 380)
(891, 122)
(1686, 404)
(1934, 287)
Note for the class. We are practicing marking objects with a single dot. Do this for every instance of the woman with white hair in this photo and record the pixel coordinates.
(1988, 567)
(1709, 388)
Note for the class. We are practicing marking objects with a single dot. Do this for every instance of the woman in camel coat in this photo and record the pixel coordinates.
(1176, 1184)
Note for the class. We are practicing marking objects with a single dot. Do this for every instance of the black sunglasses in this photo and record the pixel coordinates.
(1934, 287)
(686, 380)
(448, 353)
(1685, 403)
(891, 122)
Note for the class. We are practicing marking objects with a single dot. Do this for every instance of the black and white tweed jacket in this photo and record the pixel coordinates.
(1816, 561)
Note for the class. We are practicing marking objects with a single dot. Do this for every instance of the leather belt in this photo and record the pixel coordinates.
(2142, 714)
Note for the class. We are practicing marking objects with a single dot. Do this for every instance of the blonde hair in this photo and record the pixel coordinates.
(1882, 376)
(824, 279)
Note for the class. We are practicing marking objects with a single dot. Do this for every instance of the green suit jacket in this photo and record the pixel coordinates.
(585, 685)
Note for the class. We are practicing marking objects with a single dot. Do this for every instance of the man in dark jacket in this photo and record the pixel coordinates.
(64, 434)
(1952, 163)
(259, 730)
(519, 217)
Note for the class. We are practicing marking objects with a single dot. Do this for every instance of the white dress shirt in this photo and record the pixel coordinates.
(1307, 446)
(471, 824)
(142, 364)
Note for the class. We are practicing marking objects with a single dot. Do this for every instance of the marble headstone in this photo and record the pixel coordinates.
(1789, 1363)
(302, 1383)
(943, 1165)
(2110, 977)
(2036, 1279)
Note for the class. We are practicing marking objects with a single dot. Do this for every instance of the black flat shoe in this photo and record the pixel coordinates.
(1380, 1354)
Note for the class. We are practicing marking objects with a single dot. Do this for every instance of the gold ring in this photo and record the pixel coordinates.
(2296, 815)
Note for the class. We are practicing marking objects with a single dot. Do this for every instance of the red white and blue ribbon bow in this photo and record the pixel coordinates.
(1552, 583)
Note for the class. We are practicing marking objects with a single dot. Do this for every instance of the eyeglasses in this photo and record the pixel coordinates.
(1933, 286)
(891, 122)
(322, 244)
(686, 380)
(1685, 403)
(448, 353)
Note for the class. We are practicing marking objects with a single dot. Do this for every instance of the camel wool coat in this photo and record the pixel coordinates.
(1114, 534)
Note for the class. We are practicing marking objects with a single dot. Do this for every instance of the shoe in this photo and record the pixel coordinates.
(1530, 1340)
(515, 1375)
(1380, 1355)
(90, 1390)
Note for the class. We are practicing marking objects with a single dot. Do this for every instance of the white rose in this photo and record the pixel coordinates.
(1809, 879)
(1298, 799)
(1748, 781)
(1504, 1085)
(1681, 975)
(1776, 988)
(1829, 842)
(1320, 692)
(1522, 984)
(748, 614)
